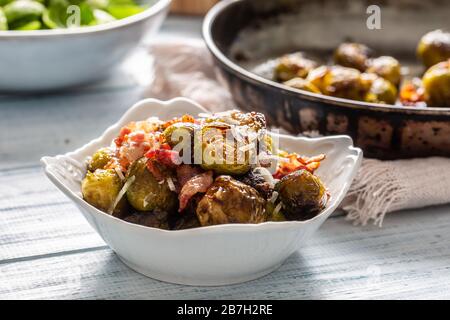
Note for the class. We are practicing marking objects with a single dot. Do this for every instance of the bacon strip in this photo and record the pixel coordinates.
(185, 172)
(198, 183)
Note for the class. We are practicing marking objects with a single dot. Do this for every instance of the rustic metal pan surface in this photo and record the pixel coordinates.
(242, 33)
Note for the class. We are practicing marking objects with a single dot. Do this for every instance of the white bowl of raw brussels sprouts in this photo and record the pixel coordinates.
(211, 255)
(53, 44)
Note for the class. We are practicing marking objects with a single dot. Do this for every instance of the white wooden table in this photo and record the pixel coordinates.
(48, 250)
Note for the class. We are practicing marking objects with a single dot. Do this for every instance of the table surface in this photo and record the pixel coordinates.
(48, 250)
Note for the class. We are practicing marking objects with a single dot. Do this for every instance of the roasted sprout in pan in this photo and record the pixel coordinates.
(143, 178)
(358, 74)
(436, 84)
(434, 47)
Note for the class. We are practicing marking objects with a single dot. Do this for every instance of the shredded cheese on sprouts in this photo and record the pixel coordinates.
(121, 193)
(277, 208)
(273, 197)
(119, 173)
(171, 184)
(265, 173)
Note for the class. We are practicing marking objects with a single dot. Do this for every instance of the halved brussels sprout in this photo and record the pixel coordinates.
(302, 195)
(220, 154)
(302, 84)
(230, 201)
(434, 47)
(292, 66)
(101, 188)
(146, 193)
(436, 83)
(353, 55)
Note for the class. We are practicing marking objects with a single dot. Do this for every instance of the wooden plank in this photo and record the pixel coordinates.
(37, 219)
(408, 258)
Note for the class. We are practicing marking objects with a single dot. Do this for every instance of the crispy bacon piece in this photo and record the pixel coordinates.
(199, 183)
(296, 162)
(186, 172)
(164, 155)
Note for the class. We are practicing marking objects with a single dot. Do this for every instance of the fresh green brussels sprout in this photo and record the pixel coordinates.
(434, 47)
(21, 12)
(155, 219)
(302, 84)
(339, 82)
(101, 188)
(230, 201)
(292, 66)
(381, 91)
(386, 67)
(100, 159)
(353, 55)
(3, 20)
(302, 195)
(146, 193)
(436, 83)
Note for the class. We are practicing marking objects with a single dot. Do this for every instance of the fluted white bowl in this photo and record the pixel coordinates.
(214, 255)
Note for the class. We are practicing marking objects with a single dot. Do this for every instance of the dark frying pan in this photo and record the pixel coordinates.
(242, 33)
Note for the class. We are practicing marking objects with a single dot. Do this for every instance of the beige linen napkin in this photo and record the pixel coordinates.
(186, 69)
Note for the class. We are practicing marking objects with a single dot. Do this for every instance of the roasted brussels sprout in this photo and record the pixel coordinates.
(302, 195)
(230, 201)
(386, 67)
(292, 66)
(175, 133)
(302, 84)
(436, 83)
(156, 219)
(381, 91)
(353, 55)
(101, 188)
(221, 154)
(339, 82)
(100, 159)
(254, 178)
(146, 193)
(434, 47)
(253, 120)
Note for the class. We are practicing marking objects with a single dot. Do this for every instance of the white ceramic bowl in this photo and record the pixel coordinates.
(43, 60)
(215, 255)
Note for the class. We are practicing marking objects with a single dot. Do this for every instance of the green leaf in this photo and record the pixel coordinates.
(3, 21)
(56, 16)
(102, 17)
(120, 11)
(33, 25)
(86, 14)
